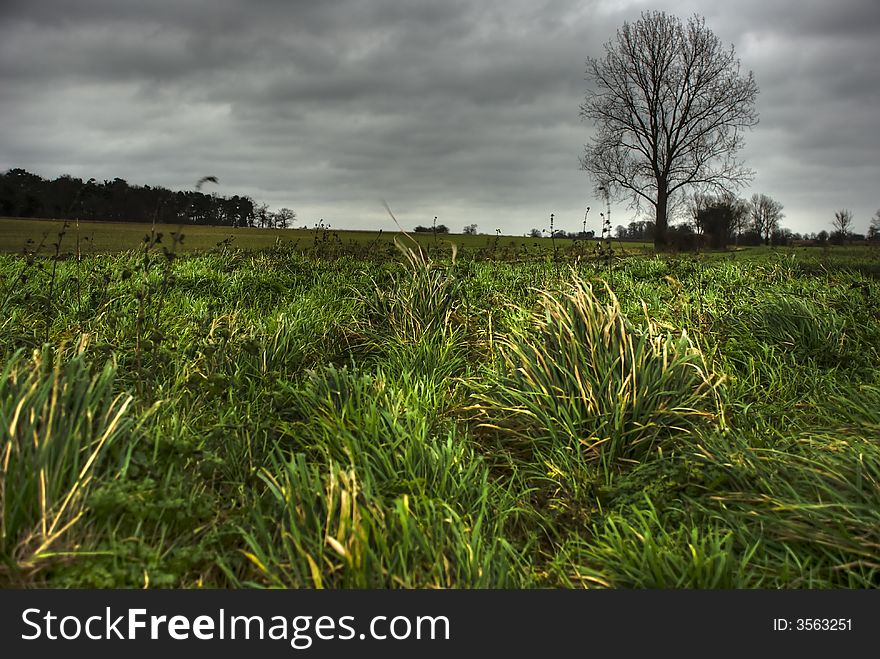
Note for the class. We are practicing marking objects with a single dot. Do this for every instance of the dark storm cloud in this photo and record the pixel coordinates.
(821, 93)
(463, 109)
(820, 18)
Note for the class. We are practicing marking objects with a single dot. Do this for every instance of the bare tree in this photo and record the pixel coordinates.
(842, 223)
(263, 216)
(283, 218)
(874, 227)
(671, 106)
(766, 213)
(739, 219)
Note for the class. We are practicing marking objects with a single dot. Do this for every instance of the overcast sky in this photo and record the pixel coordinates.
(463, 109)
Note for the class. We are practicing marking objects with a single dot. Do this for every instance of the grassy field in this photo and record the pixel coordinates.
(376, 418)
(108, 237)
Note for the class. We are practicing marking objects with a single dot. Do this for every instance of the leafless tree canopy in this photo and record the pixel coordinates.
(843, 220)
(874, 227)
(670, 105)
(766, 214)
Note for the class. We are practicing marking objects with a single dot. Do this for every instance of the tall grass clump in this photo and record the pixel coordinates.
(801, 327)
(415, 322)
(423, 299)
(639, 549)
(387, 429)
(584, 376)
(370, 487)
(318, 529)
(813, 497)
(58, 420)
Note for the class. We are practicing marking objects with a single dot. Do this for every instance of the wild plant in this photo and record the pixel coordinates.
(50, 295)
(552, 233)
(372, 245)
(322, 243)
(77, 198)
(604, 250)
(223, 246)
(579, 244)
(148, 331)
(148, 334)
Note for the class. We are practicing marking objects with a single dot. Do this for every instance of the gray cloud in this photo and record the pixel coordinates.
(463, 109)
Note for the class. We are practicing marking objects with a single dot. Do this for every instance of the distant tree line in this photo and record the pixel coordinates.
(560, 233)
(843, 223)
(23, 194)
(438, 228)
(716, 221)
(874, 227)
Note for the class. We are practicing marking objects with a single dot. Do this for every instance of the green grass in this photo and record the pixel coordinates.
(109, 237)
(406, 418)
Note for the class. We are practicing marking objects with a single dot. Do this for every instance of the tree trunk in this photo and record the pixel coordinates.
(660, 221)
